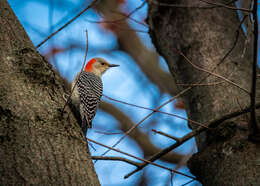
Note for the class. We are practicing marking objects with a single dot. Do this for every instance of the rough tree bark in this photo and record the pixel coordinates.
(38, 146)
(205, 35)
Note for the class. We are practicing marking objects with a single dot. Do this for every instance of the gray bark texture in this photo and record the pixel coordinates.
(38, 145)
(205, 35)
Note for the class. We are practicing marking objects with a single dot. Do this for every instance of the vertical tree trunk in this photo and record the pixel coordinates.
(205, 36)
(38, 145)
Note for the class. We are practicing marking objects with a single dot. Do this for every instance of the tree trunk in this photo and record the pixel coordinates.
(38, 145)
(206, 36)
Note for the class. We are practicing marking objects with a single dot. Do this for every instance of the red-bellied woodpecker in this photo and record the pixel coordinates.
(88, 90)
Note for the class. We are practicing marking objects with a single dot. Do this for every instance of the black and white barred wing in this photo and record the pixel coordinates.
(90, 90)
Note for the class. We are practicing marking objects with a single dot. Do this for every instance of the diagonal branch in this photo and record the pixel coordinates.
(211, 124)
(140, 138)
(212, 73)
(162, 112)
(166, 135)
(215, 5)
(144, 160)
(66, 24)
(226, 6)
(147, 116)
(116, 159)
(77, 78)
(128, 16)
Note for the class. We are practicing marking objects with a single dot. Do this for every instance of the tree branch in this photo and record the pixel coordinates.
(225, 6)
(167, 135)
(144, 160)
(140, 138)
(210, 72)
(166, 113)
(66, 24)
(215, 5)
(116, 159)
(147, 116)
(211, 124)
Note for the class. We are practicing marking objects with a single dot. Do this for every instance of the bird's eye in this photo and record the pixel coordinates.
(102, 63)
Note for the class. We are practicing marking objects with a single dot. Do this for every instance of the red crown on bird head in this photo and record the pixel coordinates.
(89, 66)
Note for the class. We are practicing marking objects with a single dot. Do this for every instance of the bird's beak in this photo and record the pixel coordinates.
(113, 65)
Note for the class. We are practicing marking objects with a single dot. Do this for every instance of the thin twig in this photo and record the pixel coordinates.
(188, 182)
(144, 160)
(119, 27)
(200, 84)
(66, 24)
(128, 29)
(253, 124)
(115, 159)
(77, 78)
(167, 135)
(128, 16)
(225, 6)
(146, 117)
(226, 55)
(132, 19)
(216, 5)
(236, 39)
(162, 112)
(211, 124)
(212, 73)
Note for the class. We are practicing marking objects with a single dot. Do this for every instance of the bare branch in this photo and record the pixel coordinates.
(146, 117)
(66, 24)
(215, 5)
(214, 123)
(235, 42)
(140, 138)
(188, 182)
(201, 84)
(212, 73)
(170, 114)
(132, 19)
(167, 135)
(115, 159)
(146, 161)
(77, 78)
(128, 16)
(225, 6)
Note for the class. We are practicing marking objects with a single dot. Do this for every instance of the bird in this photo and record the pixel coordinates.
(88, 90)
